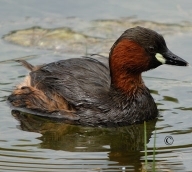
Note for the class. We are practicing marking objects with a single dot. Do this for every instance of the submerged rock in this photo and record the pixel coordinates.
(94, 37)
(55, 39)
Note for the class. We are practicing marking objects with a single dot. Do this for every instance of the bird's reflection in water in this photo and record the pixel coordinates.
(123, 144)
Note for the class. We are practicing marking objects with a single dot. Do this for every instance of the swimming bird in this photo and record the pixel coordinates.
(96, 90)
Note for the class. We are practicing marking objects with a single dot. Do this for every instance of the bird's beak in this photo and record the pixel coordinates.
(171, 59)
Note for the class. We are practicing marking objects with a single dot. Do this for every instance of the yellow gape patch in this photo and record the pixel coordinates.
(160, 58)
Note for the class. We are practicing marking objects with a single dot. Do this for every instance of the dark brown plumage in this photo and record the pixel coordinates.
(89, 91)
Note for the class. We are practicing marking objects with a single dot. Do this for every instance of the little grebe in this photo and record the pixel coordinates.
(94, 92)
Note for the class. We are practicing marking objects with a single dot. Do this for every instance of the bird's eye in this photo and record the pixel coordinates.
(151, 49)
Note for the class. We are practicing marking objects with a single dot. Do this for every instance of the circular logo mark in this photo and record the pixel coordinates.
(168, 140)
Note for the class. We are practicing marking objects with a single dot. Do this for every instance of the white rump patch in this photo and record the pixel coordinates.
(25, 83)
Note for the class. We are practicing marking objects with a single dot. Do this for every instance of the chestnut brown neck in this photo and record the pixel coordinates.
(127, 61)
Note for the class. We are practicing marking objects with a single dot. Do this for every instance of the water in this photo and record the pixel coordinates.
(29, 143)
